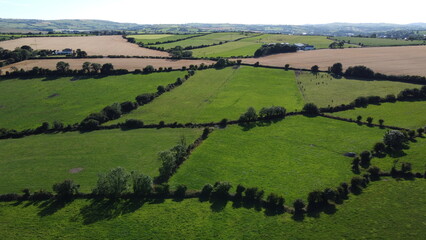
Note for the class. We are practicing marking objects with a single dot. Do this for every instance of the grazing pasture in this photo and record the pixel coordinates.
(379, 42)
(414, 155)
(37, 162)
(402, 114)
(119, 63)
(380, 209)
(211, 95)
(407, 60)
(208, 39)
(247, 46)
(324, 90)
(291, 157)
(26, 103)
(93, 45)
(154, 38)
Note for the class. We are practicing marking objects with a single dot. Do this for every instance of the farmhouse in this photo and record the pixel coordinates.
(66, 51)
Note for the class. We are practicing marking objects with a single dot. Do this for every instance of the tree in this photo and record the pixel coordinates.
(96, 67)
(250, 115)
(66, 189)
(81, 54)
(128, 106)
(180, 191)
(168, 160)
(161, 89)
(379, 147)
(113, 183)
(206, 191)
(315, 69)
(86, 67)
(145, 98)
(420, 131)
(299, 205)
(365, 158)
(221, 63)
(221, 189)
(112, 112)
(142, 184)
(394, 139)
(358, 119)
(133, 123)
(107, 68)
(381, 121)
(62, 67)
(369, 120)
(148, 69)
(315, 198)
(310, 109)
(337, 69)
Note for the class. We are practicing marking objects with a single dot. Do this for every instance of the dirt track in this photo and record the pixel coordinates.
(93, 45)
(409, 60)
(119, 63)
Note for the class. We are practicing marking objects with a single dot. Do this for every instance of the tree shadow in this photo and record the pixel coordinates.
(218, 204)
(298, 216)
(247, 126)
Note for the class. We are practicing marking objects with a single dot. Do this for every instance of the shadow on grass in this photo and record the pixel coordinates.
(218, 204)
(107, 209)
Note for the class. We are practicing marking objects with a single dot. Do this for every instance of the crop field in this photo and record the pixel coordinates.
(379, 42)
(93, 45)
(27, 103)
(119, 63)
(407, 60)
(403, 114)
(324, 90)
(208, 39)
(229, 93)
(415, 155)
(380, 209)
(37, 162)
(291, 157)
(247, 46)
(154, 38)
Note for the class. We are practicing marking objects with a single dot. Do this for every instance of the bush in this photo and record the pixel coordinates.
(271, 112)
(162, 190)
(66, 189)
(180, 191)
(133, 123)
(357, 182)
(113, 183)
(145, 98)
(142, 184)
(128, 106)
(207, 190)
(299, 205)
(89, 125)
(221, 189)
(310, 109)
(359, 71)
(112, 112)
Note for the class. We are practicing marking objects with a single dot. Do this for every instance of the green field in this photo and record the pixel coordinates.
(402, 114)
(40, 161)
(379, 42)
(379, 213)
(291, 157)
(211, 95)
(414, 155)
(208, 39)
(28, 103)
(154, 38)
(247, 47)
(324, 90)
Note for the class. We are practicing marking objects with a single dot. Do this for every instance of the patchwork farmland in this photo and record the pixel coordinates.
(208, 147)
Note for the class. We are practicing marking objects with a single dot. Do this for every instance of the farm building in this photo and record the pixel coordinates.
(66, 51)
(304, 47)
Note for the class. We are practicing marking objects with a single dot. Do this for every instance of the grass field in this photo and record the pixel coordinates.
(40, 161)
(28, 103)
(154, 38)
(324, 90)
(378, 213)
(414, 155)
(247, 47)
(291, 157)
(208, 39)
(379, 42)
(402, 114)
(211, 95)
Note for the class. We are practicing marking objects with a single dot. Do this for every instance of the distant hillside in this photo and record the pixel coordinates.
(337, 29)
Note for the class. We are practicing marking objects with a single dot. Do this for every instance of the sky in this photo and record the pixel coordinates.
(278, 12)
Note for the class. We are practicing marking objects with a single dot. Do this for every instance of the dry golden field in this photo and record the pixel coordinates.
(93, 45)
(119, 63)
(409, 60)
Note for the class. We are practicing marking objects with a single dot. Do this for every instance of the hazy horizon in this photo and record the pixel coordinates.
(269, 12)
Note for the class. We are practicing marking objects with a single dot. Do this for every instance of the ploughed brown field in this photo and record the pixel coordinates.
(118, 63)
(409, 60)
(93, 45)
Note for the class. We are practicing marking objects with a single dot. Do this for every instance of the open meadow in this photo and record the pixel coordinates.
(291, 157)
(26, 103)
(410, 115)
(379, 42)
(388, 60)
(38, 162)
(325, 90)
(247, 46)
(212, 95)
(93, 45)
(119, 63)
(159, 38)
